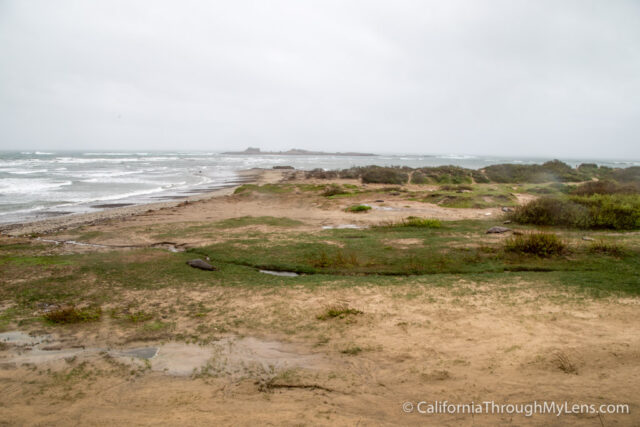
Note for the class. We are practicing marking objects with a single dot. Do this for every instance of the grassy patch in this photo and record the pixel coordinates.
(539, 244)
(352, 350)
(607, 248)
(339, 312)
(68, 315)
(358, 208)
(259, 220)
(413, 221)
(265, 189)
(334, 190)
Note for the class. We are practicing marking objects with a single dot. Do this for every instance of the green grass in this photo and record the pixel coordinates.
(69, 315)
(413, 221)
(454, 251)
(265, 189)
(358, 208)
(538, 244)
(259, 220)
(607, 248)
(478, 196)
(339, 312)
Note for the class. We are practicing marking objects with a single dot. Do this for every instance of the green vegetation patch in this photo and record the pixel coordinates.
(538, 244)
(358, 208)
(265, 189)
(617, 211)
(339, 312)
(413, 221)
(68, 315)
(245, 221)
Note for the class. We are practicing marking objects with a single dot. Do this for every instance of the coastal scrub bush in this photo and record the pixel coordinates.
(358, 208)
(616, 211)
(554, 170)
(338, 259)
(607, 248)
(447, 174)
(413, 221)
(605, 187)
(539, 244)
(67, 315)
(551, 211)
(334, 190)
(384, 175)
(338, 312)
(319, 173)
(419, 178)
(626, 175)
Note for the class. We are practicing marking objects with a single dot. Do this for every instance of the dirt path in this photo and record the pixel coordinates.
(412, 343)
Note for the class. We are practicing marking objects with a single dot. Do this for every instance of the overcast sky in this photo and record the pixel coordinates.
(543, 78)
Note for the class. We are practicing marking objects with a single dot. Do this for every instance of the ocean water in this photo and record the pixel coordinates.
(35, 185)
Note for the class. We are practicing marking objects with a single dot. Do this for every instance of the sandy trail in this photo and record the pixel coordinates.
(416, 342)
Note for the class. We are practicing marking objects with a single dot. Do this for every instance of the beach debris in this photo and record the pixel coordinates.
(507, 209)
(379, 201)
(588, 239)
(202, 265)
(280, 273)
(46, 307)
(498, 230)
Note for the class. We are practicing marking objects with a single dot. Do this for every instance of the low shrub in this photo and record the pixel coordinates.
(605, 187)
(456, 188)
(551, 211)
(67, 315)
(554, 170)
(358, 208)
(607, 248)
(319, 173)
(334, 190)
(419, 178)
(337, 259)
(384, 175)
(448, 174)
(630, 174)
(414, 221)
(539, 244)
(616, 211)
(338, 312)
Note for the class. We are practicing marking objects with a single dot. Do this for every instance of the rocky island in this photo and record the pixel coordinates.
(294, 152)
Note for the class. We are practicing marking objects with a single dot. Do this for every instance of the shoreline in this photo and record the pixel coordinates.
(63, 222)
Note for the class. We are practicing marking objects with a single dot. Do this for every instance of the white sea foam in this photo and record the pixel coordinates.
(26, 186)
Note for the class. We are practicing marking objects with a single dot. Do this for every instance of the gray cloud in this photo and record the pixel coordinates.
(548, 78)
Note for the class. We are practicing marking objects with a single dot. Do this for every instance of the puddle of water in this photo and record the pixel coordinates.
(342, 227)
(21, 339)
(72, 242)
(181, 359)
(140, 353)
(235, 357)
(280, 273)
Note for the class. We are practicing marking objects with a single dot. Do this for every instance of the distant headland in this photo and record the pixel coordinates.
(293, 152)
